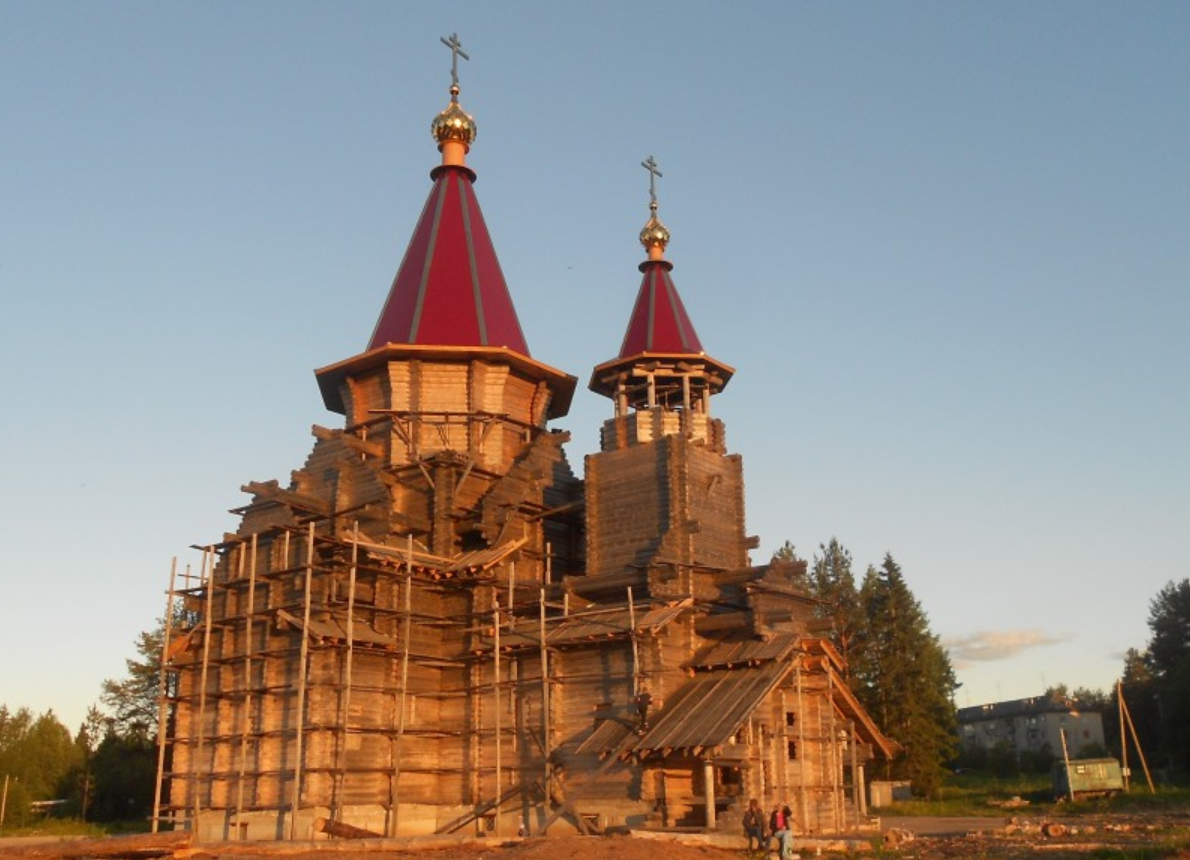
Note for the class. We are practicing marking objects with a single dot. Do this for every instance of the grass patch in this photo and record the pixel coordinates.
(73, 827)
(969, 794)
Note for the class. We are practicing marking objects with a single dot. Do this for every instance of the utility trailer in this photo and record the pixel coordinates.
(1090, 777)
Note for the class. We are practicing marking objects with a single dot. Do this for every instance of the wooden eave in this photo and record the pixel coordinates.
(331, 377)
(586, 627)
(708, 710)
(699, 366)
(821, 655)
(474, 562)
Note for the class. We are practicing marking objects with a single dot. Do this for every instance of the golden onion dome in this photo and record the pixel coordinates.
(454, 123)
(654, 234)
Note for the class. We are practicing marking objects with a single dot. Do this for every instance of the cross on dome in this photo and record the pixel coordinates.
(654, 236)
(650, 164)
(456, 51)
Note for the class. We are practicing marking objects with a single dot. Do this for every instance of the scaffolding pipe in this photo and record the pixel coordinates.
(545, 702)
(836, 758)
(801, 749)
(395, 795)
(784, 755)
(208, 564)
(162, 704)
(337, 812)
(303, 656)
(856, 787)
(511, 578)
(247, 713)
(635, 651)
(496, 692)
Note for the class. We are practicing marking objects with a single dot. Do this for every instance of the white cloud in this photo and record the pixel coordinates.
(991, 645)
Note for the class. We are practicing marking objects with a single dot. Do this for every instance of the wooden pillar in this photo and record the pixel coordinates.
(496, 696)
(763, 790)
(635, 650)
(833, 751)
(708, 778)
(246, 714)
(783, 757)
(545, 705)
(394, 789)
(801, 750)
(345, 714)
(208, 564)
(303, 671)
(857, 788)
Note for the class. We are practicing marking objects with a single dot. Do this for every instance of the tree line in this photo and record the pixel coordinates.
(103, 772)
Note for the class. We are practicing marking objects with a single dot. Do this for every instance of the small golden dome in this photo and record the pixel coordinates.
(454, 123)
(654, 234)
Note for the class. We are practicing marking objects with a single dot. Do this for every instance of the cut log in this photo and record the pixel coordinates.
(343, 831)
(141, 845)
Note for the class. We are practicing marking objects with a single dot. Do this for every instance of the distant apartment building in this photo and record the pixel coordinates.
(1031, 725)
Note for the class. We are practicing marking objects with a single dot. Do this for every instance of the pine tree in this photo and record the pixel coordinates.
(905, 679)
(132, 700)
(1168, 659)
(833, 584)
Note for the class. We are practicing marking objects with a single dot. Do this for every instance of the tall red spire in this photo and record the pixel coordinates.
(449, 301)
(661, 361)
(449, 289)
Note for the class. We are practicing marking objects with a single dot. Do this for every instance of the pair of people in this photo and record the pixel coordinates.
(779, 822)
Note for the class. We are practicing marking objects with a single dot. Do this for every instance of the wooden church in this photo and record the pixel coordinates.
(437, 627)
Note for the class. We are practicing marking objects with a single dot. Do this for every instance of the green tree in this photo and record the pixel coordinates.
(89, 736)
(131, 701)
(906, 680)
(125, 770)
(1169, 622)
(38, 755)
(1168, 661)
(833, 585)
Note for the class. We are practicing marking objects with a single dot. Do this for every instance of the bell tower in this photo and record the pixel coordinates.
(447, 394)
(662, 490)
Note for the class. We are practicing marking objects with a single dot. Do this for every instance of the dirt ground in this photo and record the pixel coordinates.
(1165, 835)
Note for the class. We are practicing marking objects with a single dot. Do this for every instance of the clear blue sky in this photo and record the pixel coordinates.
(944, 244)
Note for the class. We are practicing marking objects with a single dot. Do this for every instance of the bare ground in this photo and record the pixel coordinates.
(1157, 835)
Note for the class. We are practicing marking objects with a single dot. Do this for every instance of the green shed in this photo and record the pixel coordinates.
(1087, 777)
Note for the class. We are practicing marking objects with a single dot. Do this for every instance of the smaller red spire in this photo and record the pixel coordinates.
(660, 344)
(659, 322)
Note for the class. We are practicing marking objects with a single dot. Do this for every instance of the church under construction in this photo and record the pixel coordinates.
(436, 626)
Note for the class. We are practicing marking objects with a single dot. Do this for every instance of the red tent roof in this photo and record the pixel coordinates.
(449, 290)
(659, 323)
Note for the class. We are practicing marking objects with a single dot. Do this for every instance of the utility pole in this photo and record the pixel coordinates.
(1066, 760)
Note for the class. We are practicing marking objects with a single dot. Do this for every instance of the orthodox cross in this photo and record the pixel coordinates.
(650, 165)
(456, 51)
